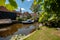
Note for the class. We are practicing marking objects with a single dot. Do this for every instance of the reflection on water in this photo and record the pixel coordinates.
(6, 33)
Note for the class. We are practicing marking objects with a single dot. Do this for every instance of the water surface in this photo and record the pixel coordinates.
(15, 29)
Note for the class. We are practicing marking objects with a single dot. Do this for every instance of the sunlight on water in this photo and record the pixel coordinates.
(15, 29)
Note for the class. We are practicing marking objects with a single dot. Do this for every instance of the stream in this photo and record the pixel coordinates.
(14, 29)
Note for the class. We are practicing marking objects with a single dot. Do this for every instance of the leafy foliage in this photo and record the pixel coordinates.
(2, 2)
(13, 3)
(9, 7)
(50, 10)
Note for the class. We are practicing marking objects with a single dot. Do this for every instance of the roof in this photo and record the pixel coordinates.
(2, 8)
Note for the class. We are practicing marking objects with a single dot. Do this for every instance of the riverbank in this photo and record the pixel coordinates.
(45, 34)
(14, 22)
(15, 29)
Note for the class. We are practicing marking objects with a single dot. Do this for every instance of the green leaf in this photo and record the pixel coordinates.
(39, 1)
(9, 7)
(2, 2)
(13, 3)
(35, 2)
(22, 0)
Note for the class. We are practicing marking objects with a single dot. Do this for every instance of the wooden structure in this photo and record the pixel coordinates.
(7, 17)
(5, 21)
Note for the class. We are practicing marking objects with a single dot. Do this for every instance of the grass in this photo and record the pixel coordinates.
(45, 34)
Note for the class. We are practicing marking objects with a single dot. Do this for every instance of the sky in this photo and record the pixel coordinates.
(25, 6)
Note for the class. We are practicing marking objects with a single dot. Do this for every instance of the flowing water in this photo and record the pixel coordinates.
(7, 32)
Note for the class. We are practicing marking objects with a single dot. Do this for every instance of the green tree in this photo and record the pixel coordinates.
(50, 10)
